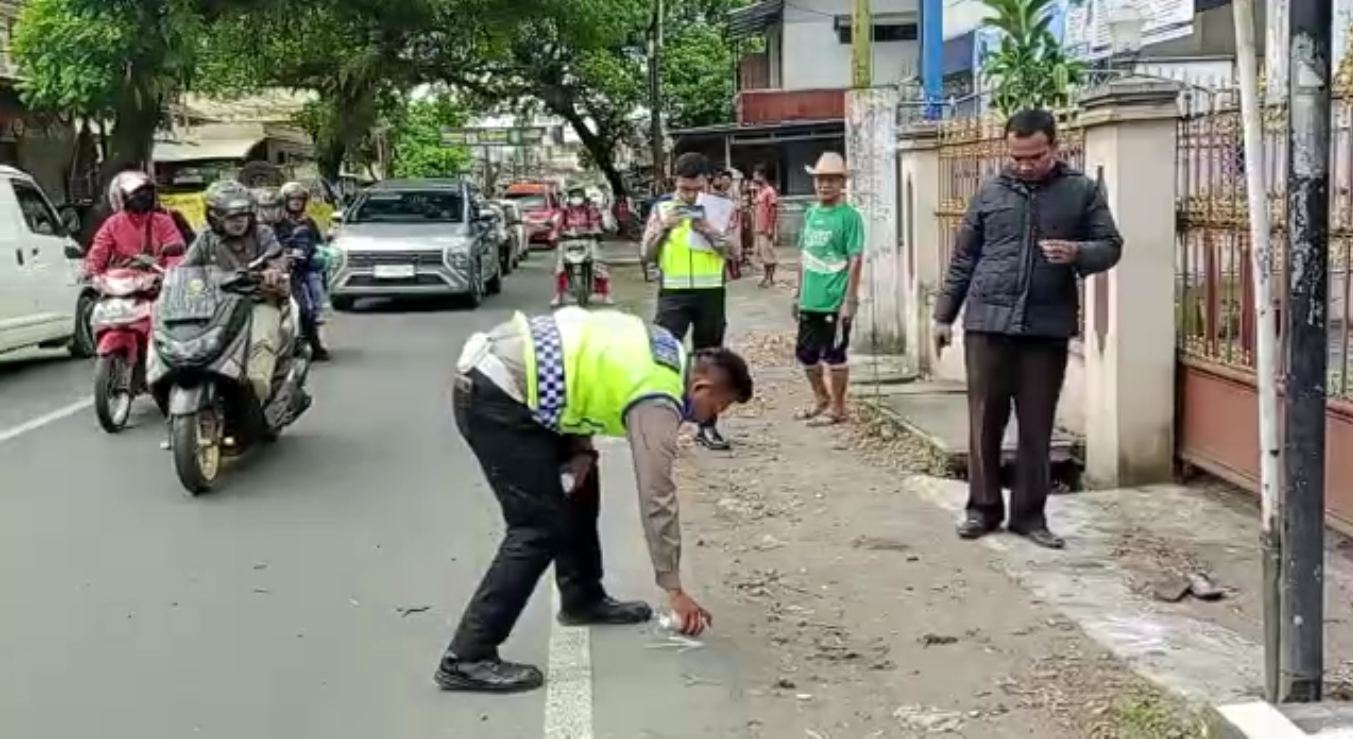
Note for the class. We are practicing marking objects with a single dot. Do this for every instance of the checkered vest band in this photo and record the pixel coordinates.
(551, 389)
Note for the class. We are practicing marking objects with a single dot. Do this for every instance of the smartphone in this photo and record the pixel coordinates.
(694, 212)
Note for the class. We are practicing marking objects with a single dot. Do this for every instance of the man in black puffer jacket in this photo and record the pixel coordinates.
(1027, 237)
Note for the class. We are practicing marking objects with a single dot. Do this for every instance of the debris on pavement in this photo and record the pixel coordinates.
(407, 611)
(851, 592)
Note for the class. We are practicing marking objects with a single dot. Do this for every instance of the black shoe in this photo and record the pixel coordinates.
(319, 354)
(976, 526)
(487, 676)
(1042, 537)
(607, 612)
(710, 438)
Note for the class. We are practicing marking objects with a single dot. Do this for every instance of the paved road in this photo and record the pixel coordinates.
(272, 608)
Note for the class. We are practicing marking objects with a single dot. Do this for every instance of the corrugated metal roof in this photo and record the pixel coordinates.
(755, 18)
(197, 151)
(736, 128)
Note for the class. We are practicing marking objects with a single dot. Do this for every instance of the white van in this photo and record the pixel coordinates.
(41, 290)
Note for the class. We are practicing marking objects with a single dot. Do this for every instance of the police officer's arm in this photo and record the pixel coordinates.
(654, 236)
(652, 427)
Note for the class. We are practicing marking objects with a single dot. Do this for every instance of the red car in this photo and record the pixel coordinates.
(541, 207)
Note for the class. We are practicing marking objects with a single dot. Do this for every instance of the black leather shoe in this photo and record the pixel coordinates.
(320, 354)
(1043, 537)
(607, 612)
(975, 527)
(710, 438)
(487, 676)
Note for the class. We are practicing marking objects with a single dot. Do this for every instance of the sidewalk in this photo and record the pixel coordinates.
(859, 612)
(832, 551)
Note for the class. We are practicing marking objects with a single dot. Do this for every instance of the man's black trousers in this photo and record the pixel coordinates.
(523, 461)
(702, 312)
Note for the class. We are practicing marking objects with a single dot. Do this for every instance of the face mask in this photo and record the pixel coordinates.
(575, 202)
(141, 201)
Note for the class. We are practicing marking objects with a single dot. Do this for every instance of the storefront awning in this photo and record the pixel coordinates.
(199, 151)
(755, 18)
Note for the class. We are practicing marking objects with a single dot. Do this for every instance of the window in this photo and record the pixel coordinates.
(409, 207)
(528, 203)
(37, 212)
(882, 33)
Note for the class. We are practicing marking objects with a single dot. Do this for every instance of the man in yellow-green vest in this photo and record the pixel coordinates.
(690, 254)
(529, 396)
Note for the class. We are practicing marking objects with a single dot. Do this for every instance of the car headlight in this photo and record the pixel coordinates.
(457, 257)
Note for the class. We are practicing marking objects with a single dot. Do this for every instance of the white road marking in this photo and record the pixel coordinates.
(34, 424)
(568, 687)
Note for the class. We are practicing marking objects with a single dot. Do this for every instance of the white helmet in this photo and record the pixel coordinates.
(123, 185)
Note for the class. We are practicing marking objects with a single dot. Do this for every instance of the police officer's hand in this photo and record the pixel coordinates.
(690, 617)
(580, 466)
(670, 218)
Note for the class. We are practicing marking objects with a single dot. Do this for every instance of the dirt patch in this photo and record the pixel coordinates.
(863, 614)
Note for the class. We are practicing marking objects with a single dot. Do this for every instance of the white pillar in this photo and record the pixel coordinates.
(1131, 131)
(871, 155)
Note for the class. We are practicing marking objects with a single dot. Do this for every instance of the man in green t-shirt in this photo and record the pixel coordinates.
(831, 247)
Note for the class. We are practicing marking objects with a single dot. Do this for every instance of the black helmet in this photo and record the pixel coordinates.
(227, 198)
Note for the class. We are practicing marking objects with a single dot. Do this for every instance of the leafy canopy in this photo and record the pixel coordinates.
(416, 137)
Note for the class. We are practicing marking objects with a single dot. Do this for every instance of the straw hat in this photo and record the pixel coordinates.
(830, 164)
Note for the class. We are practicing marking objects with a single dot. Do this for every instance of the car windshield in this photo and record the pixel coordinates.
(528, 203)
(409, 207)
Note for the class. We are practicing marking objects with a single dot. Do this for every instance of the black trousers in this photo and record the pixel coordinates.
(522, 461)
(1026, 372)
(701, 312)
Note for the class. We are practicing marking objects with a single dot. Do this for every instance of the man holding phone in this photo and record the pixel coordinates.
(1029, 234)
(690, 254)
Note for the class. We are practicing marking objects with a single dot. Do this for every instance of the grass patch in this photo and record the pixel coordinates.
(1153, 717)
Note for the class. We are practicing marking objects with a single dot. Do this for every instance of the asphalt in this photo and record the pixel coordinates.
(310, 597)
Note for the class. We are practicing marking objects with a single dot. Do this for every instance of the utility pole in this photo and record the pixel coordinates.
(861, 46)
(1303, 501)
(1266, 350)
(655, 97)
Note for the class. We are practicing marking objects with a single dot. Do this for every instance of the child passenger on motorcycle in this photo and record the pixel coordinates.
(137, 228)
(581, 219)
(297, 230)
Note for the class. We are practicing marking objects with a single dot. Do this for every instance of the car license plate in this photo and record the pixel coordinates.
(393, 271)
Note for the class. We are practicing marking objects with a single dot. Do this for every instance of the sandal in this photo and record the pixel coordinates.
(826, 419)
(807, 414)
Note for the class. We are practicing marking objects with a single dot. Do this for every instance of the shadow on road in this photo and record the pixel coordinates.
(21, 364)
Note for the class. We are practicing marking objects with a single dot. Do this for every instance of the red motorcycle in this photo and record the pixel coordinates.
(121, 324)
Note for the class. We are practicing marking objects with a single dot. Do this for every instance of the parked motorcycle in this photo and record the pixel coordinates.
(198, 368)
(579, 257)
(120, 321)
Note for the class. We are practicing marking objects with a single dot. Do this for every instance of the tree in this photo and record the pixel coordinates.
(699, 65)
(416, 137)
(356, 57)
(115, 61)
(1029, 69)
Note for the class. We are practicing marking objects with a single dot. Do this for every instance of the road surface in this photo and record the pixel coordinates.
(311, 597)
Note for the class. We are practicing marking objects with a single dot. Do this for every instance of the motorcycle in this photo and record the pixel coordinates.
(578, 253)
(198, 369)
(120, 321)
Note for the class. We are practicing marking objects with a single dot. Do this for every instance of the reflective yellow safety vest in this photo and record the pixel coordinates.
(586, 369)
(683, 266)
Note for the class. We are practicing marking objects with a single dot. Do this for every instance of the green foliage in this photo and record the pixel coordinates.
(416, 136)
(92, 57)
(1029, 69)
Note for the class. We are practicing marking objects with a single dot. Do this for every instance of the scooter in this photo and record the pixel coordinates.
(120, 321)
(578, 251)
(197, 369)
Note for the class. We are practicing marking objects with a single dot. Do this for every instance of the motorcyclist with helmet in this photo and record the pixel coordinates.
(298, 231)
(582, 220)
(232, 240)
(138, 229)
